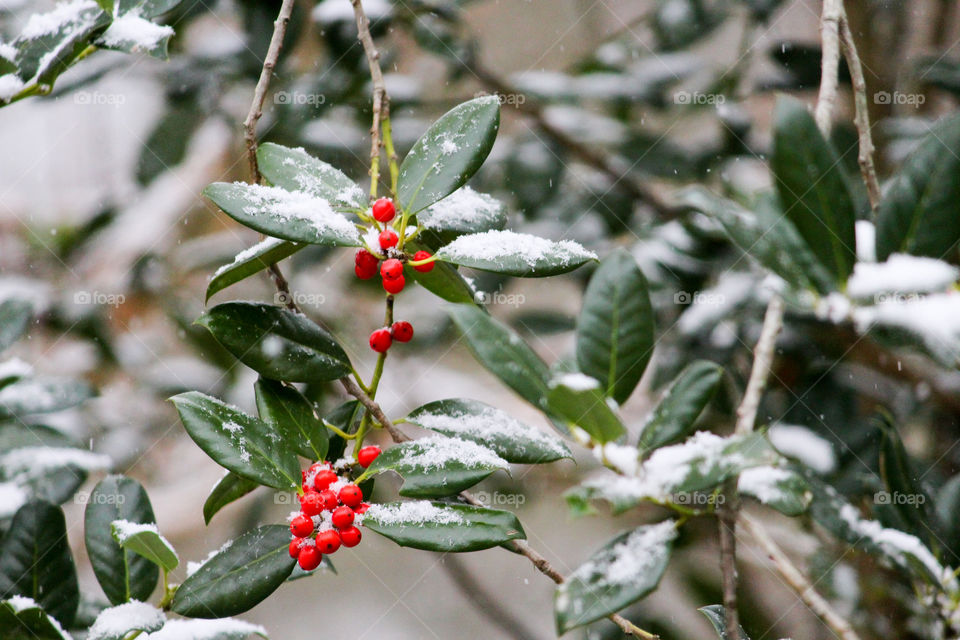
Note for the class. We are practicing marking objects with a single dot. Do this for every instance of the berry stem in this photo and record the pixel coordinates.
(417, 263)
(371, 390)
(339, 432)
(391, 154)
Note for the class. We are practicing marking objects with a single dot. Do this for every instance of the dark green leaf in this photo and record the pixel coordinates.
(437, 466)
(35, 561)
(115, 623)
(717, 617)
(146, 8)
(230, 487)
(515, 254)
(243, 444)
(778, 488)
(45, 56)
(901, 479)
(146, 541)
(122, 574)
(463, 211)
(813, 188)
(918, 214)
(625, 570)
(507, 437)
(251, 261)
(615, 328)
(15, 315)
(275, 342)
(288, 411)
(947, 506)
(28, 396)
(297, 170)
(20, 621)
(443, 281)
(580, 401)
(503, 353)
(449, 153)
(441, 526)
(675, 415)
(239, 576)
(289, 215)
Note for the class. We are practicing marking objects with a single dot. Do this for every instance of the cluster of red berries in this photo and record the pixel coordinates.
(328, 507)
(391, 273)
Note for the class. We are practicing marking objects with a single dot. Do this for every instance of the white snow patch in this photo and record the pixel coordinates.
(493, 246)
(488, 424)
(802, 444)
(934, 318)
(14, 368)
(462, 208)
(412, 512)
(10, 85)
(623, 458)
(66, 17)
(335, 10)
(291, 206)
(866, 240)
(900, 273)
(205, 630)
(116, 621)
(125, 529)
(762, 483)
(131, 28)
(576, 381)
(30, 461)
(250, 252)
(22, 603)
(638, 553)
(12, 497)
(436, 451)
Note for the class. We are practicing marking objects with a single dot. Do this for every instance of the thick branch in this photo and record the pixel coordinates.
(830, 21)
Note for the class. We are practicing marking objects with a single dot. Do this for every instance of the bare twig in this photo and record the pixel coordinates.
(861, 113)
(798, 582)
(830, 20)
(381, 101)
(763, 355)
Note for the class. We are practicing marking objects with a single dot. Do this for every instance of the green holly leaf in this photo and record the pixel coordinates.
(297, 170)
(516, 254)
(251, 261)
(441, 526)
(145, 540)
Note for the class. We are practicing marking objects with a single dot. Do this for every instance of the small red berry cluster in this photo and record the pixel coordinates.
(391, 272)
(328, 507)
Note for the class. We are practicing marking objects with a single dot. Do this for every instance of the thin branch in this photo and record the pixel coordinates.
(861, 117)
(830, 21)
(381, 101)
(763, 355)
(371, 405)
(798, 582)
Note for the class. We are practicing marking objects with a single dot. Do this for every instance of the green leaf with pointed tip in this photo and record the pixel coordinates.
(15, 315)
(814, 190)
(580, 401)
(134, 33)
(503, 353)
(251, 261)
(441, 526)
(240, 443)
(778, 488)
(122, 574)
(28, 396)
(45, 56)
(918, 213)
(448, 154)
(146, 541)
(289, 215)
(901, 479)
(146, 8)
(238, 577)
(488, 426)
(437, 466)
(297, 170)
(287, 410)
(276, 343)
(718, 620)
(21, 622)
(626, 569)
(515, 254)
(231, 487)
(35, 561)
(615, 327)
(676, 413)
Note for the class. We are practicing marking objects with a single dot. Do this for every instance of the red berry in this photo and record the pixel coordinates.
(367, 455)
(342, 517)
(324, 479)
(362, 509)
(394, 286)
(329, 498)
(422, 255)
(388, 238)
(328, 541)
(301, 526)
(311, 503)
(366, 264)
(380, 340)
(391, 269)
(351, 495)
(383, 210)
(295, 547)
(350, 536)
(402, 331)
(309, 558)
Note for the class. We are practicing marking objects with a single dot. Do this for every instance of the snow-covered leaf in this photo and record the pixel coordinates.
(222, 629)
(285, 408)
(297, 170)
(715, 614)
(251, 261)
(239, 576)
(580, 400)
(238, 442)
(290, 215)
(114, 623)
(625, 570)
(516, 254)
(15, 315)
(22, 617)
(145, 540)
(448, 154)
(28, 396)
(473, 420)
(778, 488)
(464, 211)
(35, 561)
(130, 32)
(437, 466)
(615, 327)
(123, 575)
(275, 342)
(230, 487)
(675, 414)
(441, 526)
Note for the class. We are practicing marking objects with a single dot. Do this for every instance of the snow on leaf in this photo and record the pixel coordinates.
(515, 253)
(802, 444)
(412, 513)
(222, 629)
(900, 273)
(464, 210)
(114, 623)
(132, 32)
